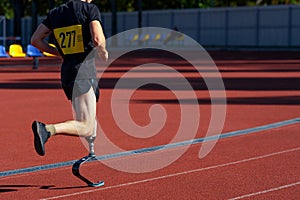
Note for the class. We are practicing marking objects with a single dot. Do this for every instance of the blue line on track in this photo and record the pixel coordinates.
(155, 148)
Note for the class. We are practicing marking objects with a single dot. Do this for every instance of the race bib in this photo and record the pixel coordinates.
(70, 39)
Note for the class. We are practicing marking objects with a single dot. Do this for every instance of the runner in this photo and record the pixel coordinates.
(77, 28)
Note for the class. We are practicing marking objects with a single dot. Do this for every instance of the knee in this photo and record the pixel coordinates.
(87, 130)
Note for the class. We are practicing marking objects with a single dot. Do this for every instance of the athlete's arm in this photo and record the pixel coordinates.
(38, 40)
(99, 39)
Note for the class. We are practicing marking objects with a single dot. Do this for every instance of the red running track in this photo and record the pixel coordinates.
(260, 90)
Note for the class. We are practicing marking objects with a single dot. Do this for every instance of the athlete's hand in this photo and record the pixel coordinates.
(103, 54)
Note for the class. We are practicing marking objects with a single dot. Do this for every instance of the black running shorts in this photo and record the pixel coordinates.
(76, 88)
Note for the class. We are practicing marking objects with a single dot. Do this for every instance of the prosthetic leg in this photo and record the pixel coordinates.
(90, 157)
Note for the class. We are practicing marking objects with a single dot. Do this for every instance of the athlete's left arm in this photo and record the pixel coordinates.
(99, 39)
(38, 40)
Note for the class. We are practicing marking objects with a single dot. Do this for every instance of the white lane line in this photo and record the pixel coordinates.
(266, 191)
(176, 174)
(155, 148)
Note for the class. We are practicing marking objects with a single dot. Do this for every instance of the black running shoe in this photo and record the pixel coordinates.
(41, 136)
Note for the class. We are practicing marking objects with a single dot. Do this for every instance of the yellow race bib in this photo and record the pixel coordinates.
(70, 39)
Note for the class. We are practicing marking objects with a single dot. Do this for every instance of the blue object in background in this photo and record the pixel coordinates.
(33, 51)
(3, 53)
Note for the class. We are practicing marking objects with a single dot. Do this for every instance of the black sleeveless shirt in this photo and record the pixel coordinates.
(70, 26)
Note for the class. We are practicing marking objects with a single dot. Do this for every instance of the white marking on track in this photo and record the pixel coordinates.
(179, 174)
(266, 191)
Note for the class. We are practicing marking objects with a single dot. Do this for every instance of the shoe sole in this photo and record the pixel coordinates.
(38, 144)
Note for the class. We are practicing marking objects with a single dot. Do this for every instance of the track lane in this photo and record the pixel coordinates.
(225, 173)
(273, 98)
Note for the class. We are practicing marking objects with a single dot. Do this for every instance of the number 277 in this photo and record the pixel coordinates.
(67, 39)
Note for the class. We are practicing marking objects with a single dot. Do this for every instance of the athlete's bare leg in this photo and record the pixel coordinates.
(84, 108)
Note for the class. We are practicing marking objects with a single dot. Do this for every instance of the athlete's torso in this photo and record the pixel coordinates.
(70, 26)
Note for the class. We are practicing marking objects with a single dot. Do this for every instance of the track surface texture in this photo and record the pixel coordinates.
(251, 162)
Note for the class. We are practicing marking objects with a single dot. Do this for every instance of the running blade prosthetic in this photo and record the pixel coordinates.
(78, 163)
